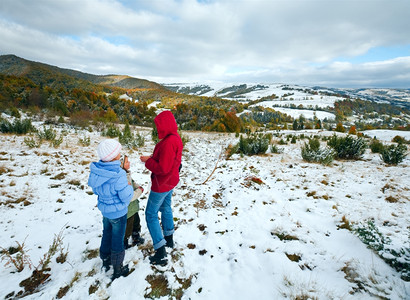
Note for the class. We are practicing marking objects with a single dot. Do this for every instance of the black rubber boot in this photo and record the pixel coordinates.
(119, 271)
(116, 260)
(137, 239)
(106, 264)
(170, 241)
(160, 257)
(126, 245)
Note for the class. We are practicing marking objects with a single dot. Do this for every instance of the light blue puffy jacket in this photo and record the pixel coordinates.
(109, 182)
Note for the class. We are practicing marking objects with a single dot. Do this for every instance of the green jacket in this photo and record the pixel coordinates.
(134, 205)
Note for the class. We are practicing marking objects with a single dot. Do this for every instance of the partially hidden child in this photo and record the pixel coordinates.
(133, 228)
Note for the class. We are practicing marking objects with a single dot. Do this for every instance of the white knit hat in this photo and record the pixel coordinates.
(108, 150)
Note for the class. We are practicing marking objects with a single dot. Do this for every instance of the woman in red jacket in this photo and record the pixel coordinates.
(164, 164)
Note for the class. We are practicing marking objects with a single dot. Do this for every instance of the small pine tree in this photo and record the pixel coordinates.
(399, 139)
(112, 131)
(340, 127)
(312, 152)
(254, 144)
(128, 139)
(394, 154)
(154, 135)
(347, 147)
(295, 125)
(376, 146)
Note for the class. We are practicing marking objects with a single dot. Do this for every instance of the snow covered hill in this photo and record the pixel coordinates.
(292, 94)
(261, 227)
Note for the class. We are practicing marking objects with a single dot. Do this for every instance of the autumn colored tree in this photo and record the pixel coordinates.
(340, 127)
(352, 130)
(110, 116)
(232, 122)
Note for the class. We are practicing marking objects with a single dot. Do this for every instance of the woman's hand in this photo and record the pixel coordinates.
(144, 158)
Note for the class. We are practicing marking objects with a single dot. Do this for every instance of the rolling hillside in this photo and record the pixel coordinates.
(45, 74)
(320, 96)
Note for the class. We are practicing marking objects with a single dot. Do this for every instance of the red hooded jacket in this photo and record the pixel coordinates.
(166, 159)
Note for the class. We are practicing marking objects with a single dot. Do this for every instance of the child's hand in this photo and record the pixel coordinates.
(126, 163)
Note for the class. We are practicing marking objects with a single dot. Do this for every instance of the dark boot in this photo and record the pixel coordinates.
(120, 270)
(170, 241)
(126, 245)
(160, 257)
(117, 259)
(106, 263)
(137, 239)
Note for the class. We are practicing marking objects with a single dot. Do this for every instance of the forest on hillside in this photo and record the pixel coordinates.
(62, 95)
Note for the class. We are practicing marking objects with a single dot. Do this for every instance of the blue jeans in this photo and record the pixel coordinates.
(159, 202)
(112, 241)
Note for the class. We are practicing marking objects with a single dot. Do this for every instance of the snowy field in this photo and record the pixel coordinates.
(261, 227)
(295, 113)
(285, 96)
(386, 135)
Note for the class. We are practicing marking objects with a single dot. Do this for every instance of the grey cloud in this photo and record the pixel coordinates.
(276, 40)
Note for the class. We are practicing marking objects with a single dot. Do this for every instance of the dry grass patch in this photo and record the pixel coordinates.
(63, 291)
(284, 236)
(22, 200)
(91, 253)
(293, 257)
(392, 199)
(75, 182)
(94, 287)
(201, 227)
(311, 194)
(344, 224)
(4, 170)
(59, 176)
(158, 286)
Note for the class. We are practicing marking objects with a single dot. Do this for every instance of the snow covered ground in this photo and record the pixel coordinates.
(386, 135)
(295, 113)
(235, 238)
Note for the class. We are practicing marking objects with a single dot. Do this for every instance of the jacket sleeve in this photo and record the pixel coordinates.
(163, 164)
(125, 190)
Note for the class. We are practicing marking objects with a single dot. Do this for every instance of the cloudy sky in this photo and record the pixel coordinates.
(341, 43)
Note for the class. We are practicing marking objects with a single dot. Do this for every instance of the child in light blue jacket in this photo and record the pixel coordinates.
(109, 182)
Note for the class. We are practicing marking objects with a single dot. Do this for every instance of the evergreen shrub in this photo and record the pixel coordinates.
(254, 144)
(312, 152)
(154, 135)
(17, 127)
(112, 131)
(347, 147)
(31, 142)
(398, 258)
(47, 134)
(399, 139)
(376, 146)
(85, 141)
(394, 154)
(129, 140)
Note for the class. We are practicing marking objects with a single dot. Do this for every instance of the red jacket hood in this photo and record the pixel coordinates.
(166, 124)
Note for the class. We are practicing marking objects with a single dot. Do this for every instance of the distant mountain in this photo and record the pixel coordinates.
(55, 77)
(250, 92)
